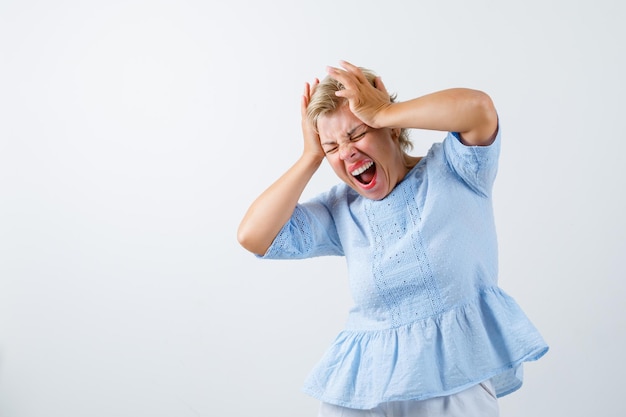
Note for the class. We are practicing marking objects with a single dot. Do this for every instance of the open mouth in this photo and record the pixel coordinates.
(365, 173)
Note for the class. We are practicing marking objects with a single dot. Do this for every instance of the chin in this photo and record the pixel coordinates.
(375, 195)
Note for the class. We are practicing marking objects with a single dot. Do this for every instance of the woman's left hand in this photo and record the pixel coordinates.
(367, 102)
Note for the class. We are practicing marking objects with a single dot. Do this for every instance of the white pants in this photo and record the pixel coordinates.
(477, 401)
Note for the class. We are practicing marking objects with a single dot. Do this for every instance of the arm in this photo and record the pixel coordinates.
(273, 208)
(468, 112)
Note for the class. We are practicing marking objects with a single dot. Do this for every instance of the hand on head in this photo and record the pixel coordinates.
(312, 144)
(366, 101)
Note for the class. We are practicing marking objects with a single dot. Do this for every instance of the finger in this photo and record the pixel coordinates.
(353, 69)
(340, 74)
(313, 87)
(348, 80)
(346, 93)
(303, 106)
(335, 73)
(307, 91)
(378, 83)
(304, 101)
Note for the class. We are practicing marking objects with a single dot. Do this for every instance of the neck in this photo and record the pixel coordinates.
(410, 161)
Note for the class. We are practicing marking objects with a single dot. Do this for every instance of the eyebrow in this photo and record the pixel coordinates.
(349, 134)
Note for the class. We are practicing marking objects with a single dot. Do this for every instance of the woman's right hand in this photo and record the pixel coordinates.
(312, 145)
(273, 208)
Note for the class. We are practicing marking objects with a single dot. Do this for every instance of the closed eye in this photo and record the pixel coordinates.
(331, 147)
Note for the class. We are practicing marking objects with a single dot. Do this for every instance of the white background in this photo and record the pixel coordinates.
(134, 134)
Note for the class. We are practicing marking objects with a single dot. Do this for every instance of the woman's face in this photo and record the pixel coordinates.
(368, 160)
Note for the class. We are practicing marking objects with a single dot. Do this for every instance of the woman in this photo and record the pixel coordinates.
(431, 333)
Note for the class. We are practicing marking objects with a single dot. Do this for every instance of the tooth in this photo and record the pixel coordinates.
(362, 168)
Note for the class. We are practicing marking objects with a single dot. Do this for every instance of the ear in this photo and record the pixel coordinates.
(395, 133)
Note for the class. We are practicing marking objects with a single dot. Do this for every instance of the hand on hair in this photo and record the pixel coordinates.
(366, 101)
(312, 144)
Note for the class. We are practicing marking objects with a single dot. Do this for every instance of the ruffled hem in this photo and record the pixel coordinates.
(488, 338)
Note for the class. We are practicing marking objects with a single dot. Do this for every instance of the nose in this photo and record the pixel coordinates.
(346, 150)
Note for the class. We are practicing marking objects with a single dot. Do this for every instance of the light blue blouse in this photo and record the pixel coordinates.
(428, 317)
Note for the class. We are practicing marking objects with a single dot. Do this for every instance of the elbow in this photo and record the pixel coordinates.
(247, 240)
(485, 108)
(244, 238)
(490, 117)
(484, 121)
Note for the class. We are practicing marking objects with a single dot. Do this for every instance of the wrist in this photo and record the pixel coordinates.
(312, 158)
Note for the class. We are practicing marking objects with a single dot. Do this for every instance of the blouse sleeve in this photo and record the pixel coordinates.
(310, 232)
(475, 165)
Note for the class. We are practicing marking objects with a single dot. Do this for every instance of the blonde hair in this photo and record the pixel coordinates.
(324, 101)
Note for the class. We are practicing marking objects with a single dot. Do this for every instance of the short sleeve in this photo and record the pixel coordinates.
(477, 166)
(310, 232)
